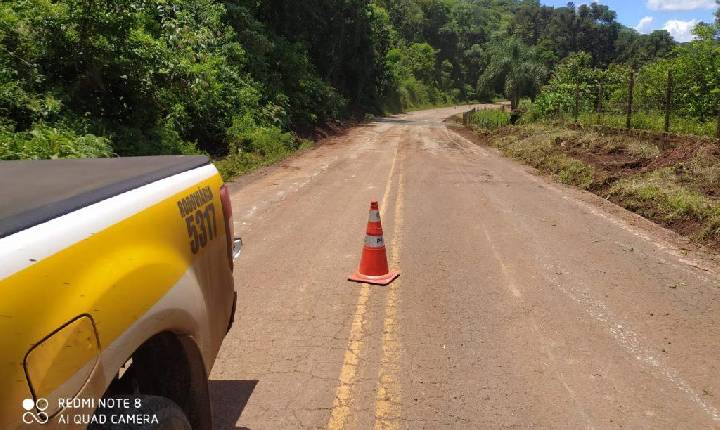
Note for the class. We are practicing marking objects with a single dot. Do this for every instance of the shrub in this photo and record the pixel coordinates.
(490, 119)
(658, 195)
(572, 172)
(253, 146)
(45, 142)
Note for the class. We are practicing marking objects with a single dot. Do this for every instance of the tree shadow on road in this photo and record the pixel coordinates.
(229, 399)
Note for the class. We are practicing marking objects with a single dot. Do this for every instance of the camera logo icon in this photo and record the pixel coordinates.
(35, 411)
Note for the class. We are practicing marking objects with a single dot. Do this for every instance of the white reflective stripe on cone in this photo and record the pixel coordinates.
(374, 216)
(374, 242)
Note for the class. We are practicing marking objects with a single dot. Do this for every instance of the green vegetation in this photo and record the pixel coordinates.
(514, 69)
(653, 121)
(673, 181)
(152, 77)
(661, 196)
(243, 79)
(44, 142)
(252, 146)
(539, 149)
(489, 119)
(686, 80)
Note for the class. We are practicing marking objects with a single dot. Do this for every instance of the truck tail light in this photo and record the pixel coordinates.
(234, 245)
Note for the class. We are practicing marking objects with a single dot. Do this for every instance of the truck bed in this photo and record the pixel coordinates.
(35, 191)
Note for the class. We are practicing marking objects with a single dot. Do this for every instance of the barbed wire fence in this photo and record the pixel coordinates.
(633, 100)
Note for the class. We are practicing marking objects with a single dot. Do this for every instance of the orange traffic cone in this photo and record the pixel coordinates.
(373, 267)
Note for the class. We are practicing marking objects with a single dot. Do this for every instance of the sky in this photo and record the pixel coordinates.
(676, 16)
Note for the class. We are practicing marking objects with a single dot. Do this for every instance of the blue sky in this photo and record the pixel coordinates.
(676, 16)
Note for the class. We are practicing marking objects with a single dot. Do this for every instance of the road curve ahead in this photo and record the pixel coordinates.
(521, 304)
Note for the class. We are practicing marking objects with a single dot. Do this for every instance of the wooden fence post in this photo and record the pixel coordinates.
(599, 106)
(668, 100)
(576, 110)
(631, 89)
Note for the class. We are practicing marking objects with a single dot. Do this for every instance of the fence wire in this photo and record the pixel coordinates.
(631, 99)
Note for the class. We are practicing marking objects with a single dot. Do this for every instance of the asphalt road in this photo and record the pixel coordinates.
(522, 303)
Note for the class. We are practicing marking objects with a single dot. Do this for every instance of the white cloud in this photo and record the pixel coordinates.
(681, 30)
(680, 4)
(644, 25)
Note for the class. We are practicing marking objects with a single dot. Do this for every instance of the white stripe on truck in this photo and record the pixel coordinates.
(36, 243)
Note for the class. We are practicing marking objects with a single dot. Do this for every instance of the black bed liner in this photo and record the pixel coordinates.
(35, 191)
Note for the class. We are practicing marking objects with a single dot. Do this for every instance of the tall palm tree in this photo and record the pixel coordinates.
(512, 68)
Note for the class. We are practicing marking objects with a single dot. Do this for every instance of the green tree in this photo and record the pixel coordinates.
(697, 69)
(412, 68)
(221, 76)
(575, 84)
(340, 40)
(637, 50)
(513, 69)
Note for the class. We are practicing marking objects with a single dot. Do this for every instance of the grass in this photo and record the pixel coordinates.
(659, 195)
(677, 185)
(572, 172)
(653, 121)
(642, 149)
(703, 170)
(490, 119)
(539, 149)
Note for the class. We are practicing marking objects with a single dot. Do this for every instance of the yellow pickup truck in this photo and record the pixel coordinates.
(116, 291)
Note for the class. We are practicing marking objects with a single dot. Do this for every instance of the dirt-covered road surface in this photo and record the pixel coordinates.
(522, 303)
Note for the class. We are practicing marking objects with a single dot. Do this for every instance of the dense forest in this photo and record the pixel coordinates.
(134, 77)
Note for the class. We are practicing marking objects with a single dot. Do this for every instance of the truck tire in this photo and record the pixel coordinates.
(163, 414)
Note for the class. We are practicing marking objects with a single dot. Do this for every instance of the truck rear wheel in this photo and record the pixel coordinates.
(145, 413)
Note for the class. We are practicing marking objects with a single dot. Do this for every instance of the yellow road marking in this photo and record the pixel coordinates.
(387, 400)
(348, 372)
(343, 394)
(384, 201)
